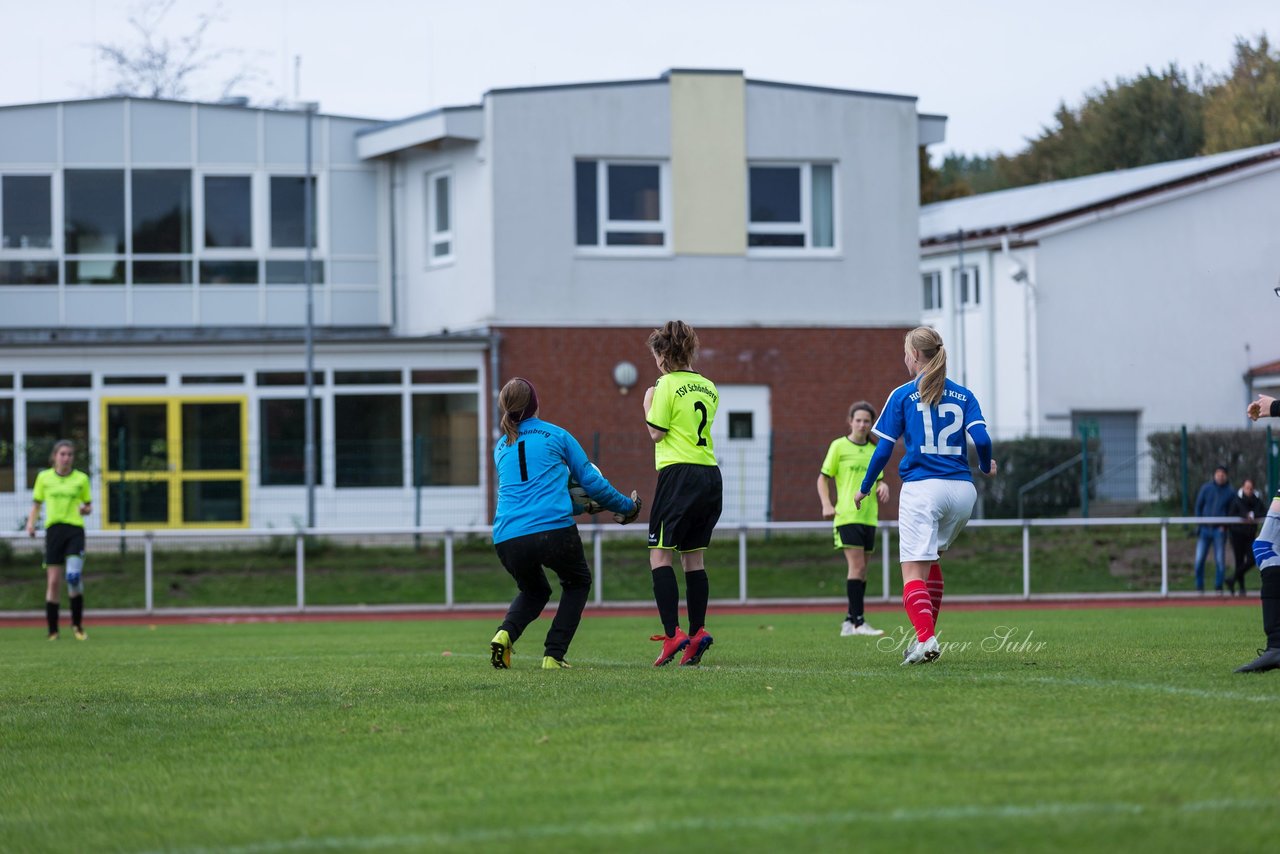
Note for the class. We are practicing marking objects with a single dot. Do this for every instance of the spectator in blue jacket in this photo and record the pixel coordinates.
(1214, 499)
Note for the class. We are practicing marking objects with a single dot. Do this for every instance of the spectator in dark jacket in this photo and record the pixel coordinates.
(1213, 500)
(1247, 504)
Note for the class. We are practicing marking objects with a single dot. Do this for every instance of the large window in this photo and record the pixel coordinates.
(440, 218)
(284, 434)
(966, 285)
(932, 283)
(368, 442)
(791, 206)
(621, 205)
(51, 420)
(26, 212)
(94, 211)
(446, 430)
(287, 205)
(161, 211)
(228, 212)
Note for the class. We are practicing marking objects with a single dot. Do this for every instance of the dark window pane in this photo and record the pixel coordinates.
(212, 379)
(775, 240)
(741, 425)
(287, 203)
(28, 272)
(28, 212)
(94, 211)
(6, 380)
(442, 204)
(57, 380)
(144, 429)
(366, 377)
(213, 501)
(95, 272)
(283, 429)
(161, 210)
(442, 249)
(228, 272)
(51, 420)
(584, 175)
(633, 238)
(137, 502)
(150, 379)
(211, 436)
(288, 378)
(461, 375)
(633, 193)
(228, 218)
(293, 272)
(775, 194)
(6, 445)
(368, 447)
(162, 272)
(445, 440)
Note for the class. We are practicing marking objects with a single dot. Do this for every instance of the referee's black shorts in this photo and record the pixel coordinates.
(686, 507)
(61, 541)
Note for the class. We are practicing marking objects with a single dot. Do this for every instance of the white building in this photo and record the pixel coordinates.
(1135, 300)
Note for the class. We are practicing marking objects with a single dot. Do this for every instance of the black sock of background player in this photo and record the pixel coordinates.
(696, 593)
(1271, 606)
(51, 615)
(856, 589)
(667, 595)
(77, 611)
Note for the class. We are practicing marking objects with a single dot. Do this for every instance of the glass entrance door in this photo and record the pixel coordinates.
(175, 463)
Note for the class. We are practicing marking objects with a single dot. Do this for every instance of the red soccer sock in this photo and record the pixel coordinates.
(915, 598)
(935, 589)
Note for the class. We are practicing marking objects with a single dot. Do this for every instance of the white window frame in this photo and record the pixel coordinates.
(968, 299)
(935, 289)
(604, 225)
(805, 226)
(437, 236)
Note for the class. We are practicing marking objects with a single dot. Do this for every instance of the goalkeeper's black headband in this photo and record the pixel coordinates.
(532, 408)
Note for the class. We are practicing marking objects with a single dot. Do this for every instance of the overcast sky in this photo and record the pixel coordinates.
(996, 68)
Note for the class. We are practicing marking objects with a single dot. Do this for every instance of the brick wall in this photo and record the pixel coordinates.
(813, 375)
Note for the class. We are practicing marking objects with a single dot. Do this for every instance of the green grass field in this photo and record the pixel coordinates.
(1101, 729)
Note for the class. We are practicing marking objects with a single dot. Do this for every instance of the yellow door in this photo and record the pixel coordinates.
(175, 462)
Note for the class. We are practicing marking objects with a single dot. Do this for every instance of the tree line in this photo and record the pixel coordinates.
(1151, 118)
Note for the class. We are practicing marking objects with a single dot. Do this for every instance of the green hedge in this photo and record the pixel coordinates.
(1243, 452)
(1022, 461)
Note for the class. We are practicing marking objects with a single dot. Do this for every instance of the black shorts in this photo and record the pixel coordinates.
(856, 536)
(60, 542)
(686, 507)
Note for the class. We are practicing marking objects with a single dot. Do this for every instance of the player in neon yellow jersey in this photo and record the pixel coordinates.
(64, 492)
(854, 527)
(679, 410)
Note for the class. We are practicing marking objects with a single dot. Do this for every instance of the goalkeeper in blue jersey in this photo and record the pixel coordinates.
(934, 417)
(533, 524)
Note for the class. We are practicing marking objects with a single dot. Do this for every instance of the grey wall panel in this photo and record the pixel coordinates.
(96, 306)
(356, 308)
(353, 272)
(353, 212)
(29, 307)
(227, 135)
(289, 308)
(160, 132)
(162, 306)
(342, 140)
(286, 139)
(93, 132)
(228, 307)
(29, 135)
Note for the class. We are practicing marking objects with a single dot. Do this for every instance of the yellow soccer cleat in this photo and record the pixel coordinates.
(500, 650)
(549, 663)
(80, 634)
(53, 636)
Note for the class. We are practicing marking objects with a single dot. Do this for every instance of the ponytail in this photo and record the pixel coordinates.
(933, 377)
(676, 344)
(518, 400)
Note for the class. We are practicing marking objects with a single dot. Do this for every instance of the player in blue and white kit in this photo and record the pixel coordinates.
(933, 416)
(533, 524)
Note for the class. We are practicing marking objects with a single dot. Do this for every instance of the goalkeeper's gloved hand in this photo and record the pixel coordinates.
(628, 518)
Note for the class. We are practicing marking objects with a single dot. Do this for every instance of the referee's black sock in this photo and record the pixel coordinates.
(696, 593)
(1271, 605)
(856, 589)
(667, 594)
(51, 616)
(77, 611)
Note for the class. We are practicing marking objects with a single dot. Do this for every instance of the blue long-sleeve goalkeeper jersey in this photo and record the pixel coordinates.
(533, 476)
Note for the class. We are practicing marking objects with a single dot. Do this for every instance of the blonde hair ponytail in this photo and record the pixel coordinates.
(933, 378)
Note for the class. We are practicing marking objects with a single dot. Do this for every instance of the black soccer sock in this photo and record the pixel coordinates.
(51, 616)
(1271, 606)
(77, 611)
(667, 594)
(856, 589)
(696, 593)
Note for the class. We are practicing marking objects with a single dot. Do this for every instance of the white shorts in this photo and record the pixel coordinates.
(931, 514)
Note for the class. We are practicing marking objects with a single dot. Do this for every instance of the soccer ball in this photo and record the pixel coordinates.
(582, 502)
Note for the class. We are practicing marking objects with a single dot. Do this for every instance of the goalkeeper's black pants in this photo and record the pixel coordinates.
(524, 558)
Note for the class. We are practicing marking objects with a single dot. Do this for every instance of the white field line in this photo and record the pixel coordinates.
(779, 821)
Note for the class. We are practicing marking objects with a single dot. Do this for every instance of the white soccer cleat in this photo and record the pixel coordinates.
(847, 628)
(910, 650)
(924, 652)
(867, 630)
